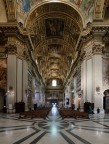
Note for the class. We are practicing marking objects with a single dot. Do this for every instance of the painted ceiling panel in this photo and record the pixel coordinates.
(86, 7)
(54, 28)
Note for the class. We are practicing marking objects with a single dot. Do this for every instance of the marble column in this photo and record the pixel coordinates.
(97, 76)
(11, 79)
(75, 94)
(91, 75)
(83, 81)
(19, 78)
(25, 82)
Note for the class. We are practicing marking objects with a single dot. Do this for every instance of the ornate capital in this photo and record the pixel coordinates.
(97, 48)
(11, 48)
(88, 54)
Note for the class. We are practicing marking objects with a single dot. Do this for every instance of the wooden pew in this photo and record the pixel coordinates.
(41, 113)
(25, 114)
(73, 113)
(79, 114)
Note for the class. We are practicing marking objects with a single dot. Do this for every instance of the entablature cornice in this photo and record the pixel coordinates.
(15, 37)
(11, 29)
(100, 28)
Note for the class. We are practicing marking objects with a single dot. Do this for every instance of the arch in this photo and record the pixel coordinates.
(62, 2)
(106, 92)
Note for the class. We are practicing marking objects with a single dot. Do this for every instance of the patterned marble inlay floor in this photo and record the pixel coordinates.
(54, 130)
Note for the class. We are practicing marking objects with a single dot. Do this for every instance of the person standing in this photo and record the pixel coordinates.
(98, 110)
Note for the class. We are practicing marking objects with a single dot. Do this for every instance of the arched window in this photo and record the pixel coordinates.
(54, 83)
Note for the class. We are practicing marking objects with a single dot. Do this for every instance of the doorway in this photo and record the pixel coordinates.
(2, 99)
(54, 102)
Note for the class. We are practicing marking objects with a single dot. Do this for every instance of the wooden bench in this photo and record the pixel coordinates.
(73, 113)
(25, 114)
(36, 113)
(79, 114)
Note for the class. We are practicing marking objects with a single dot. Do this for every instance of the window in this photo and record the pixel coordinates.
(54, 83)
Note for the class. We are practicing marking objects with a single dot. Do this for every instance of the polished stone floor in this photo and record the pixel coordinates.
(54, 129)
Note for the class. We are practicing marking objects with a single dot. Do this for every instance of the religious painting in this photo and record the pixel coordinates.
(87, 8)
(26, 5)
(54, 27)
(3, 73)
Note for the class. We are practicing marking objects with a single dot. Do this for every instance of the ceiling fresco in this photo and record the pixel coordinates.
(54, 29)
(86, 7)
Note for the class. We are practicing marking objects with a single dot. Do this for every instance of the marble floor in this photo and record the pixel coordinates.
(54, 129)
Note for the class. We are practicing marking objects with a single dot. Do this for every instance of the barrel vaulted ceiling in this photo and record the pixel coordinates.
(54, 29)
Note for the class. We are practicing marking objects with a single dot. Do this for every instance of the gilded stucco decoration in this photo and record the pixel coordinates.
(11, 10)
(86, 7)
(98, 9)
(54, 29)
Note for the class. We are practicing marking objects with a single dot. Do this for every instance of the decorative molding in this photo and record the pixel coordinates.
(11, 29)
(98, 12)
(10, 9)
(100, 28)
(11, 49)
